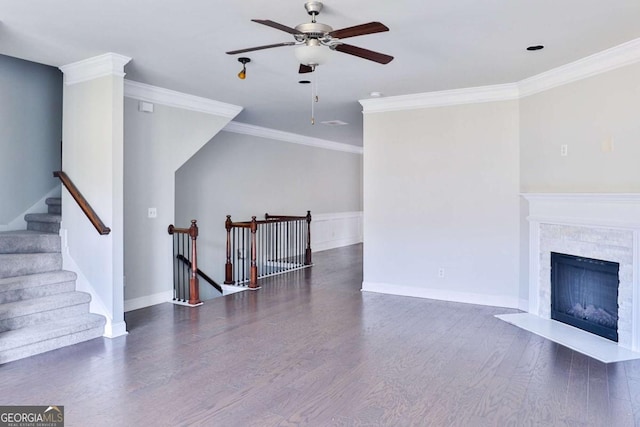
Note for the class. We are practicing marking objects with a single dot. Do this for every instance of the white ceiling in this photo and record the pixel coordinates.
(181, 45)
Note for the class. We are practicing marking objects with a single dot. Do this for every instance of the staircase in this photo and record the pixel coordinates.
(40, 310)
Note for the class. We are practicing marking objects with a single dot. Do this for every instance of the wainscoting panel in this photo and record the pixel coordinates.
(334, 230)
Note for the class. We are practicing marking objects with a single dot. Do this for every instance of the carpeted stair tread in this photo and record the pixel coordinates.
(54, 201)
(23, 264)
(37, 305)
(47, 223)
(28, 241)
(20, 343)
(19, 288)
(43, 217)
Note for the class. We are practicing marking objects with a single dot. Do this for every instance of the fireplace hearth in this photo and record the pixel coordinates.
(584, 293)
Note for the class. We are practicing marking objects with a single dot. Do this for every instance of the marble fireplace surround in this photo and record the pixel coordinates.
(602, 226)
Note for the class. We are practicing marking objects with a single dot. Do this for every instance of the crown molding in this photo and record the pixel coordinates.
(172, 98)
(278, 135)
(473, 95)
(583, 197)
(618, 56)
(108, 64)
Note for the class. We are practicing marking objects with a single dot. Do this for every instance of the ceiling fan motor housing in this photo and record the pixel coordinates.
(314, 30)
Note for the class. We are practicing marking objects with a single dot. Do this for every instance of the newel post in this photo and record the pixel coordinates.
(194, 291)
(253, 273)
(307, 257)
(228, 267)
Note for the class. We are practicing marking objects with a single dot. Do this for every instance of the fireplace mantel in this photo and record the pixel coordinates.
(596, 222)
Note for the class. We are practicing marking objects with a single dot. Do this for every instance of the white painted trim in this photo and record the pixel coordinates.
(616, 57)
(335, 230)
(108, 64)
(278, 135)
(584, 197)
(534, 266)
(147, 301)
(472, 95)
(335, 215)
(635, 316)
(441, 294)
(172, 98)
(115, 330)
(613, 210)
(18, 223)
(111, 329)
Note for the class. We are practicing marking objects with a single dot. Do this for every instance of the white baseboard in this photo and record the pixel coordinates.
(114, 330)
(147, 301)
(18, 223)
(440, 294)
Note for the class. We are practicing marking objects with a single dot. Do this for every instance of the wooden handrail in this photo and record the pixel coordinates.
(82, 202)
(282, 217)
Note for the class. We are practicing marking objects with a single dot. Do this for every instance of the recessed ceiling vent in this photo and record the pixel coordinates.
(334, 123)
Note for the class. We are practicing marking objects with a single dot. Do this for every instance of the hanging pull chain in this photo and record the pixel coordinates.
(314, 94)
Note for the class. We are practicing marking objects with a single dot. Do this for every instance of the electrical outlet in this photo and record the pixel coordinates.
(441, 273)
(564, 150)
(152, 213)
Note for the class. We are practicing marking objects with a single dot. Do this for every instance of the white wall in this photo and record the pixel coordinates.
(93, 159)
(243, 175)
(30, 135)
(441, 192)
(156, 145)
(588, 116)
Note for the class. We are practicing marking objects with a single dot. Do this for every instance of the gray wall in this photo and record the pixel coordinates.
(30, 133)
(155, 146)
(241, 176)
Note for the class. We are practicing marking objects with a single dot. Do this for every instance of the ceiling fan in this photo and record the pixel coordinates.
(314, 39)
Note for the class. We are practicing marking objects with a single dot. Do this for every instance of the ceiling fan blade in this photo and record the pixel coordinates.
(305, 69)
(359, 30)
(277, 26)
(364, 53)
(268, 46)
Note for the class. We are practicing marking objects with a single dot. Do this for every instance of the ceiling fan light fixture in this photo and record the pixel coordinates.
(312, 54)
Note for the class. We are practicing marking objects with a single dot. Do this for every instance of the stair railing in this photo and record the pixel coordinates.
(82, 203)
(262, 248)
(184, 248)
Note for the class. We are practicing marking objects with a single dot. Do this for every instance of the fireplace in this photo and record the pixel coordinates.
(600, 227)
(584, 293)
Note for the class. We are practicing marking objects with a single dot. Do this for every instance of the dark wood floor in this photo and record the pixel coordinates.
(310, 349)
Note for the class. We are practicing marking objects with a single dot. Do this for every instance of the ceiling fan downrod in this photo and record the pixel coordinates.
(313, 8)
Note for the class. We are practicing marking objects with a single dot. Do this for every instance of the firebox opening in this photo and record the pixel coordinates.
(584, 293)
